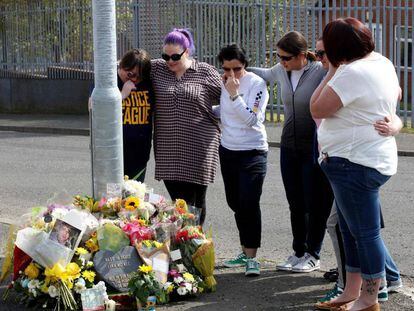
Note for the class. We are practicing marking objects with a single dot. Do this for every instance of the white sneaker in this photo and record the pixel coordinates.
(307, 264)
(289, 263)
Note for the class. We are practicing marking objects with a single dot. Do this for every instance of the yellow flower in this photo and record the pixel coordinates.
(54, 274)
(142, 222)
(181, 206)
(44, 288)
(145, 269)
(170, 289)
(31, 271)
(188, 277)
(73, 270)
(39, 224)
(92, 245)
(147, 243)
(89, 275)
(157, 244)
(81, 251)
(132, 203)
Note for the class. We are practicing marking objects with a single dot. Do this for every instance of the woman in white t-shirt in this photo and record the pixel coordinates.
(360, 88)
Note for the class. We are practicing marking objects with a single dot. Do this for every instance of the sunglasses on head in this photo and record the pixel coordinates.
(320, 53)
(174, 57)
(235, 69)
(285, 58)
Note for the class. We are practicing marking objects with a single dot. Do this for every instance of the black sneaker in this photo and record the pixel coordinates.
(331, 275)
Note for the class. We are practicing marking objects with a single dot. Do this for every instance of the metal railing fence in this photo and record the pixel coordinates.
(53, 38)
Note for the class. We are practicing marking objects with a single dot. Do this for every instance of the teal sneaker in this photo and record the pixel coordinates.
(332, 294)
(252, 267)
(383, 293)
(238, 261)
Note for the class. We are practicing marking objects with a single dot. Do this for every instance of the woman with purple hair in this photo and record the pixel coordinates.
(186, 136)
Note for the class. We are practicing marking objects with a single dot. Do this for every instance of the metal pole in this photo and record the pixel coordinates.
(107, 157)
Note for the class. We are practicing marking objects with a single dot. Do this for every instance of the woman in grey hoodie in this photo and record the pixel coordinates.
(307, 189)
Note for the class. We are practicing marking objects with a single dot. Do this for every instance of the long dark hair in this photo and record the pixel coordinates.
(137, 57)
(295, 43)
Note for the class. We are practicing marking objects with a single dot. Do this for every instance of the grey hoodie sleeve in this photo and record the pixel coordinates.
(270, 75)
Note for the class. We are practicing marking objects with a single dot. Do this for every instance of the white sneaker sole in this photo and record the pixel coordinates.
(305, 270)
(252, 273)
(234, 266)
(394, 289)
(283, 268)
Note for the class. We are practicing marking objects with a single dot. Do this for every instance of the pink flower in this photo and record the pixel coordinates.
(137, 232)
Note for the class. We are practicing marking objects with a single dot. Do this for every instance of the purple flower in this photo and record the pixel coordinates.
(53, 206)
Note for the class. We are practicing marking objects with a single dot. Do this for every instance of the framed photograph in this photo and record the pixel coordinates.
(65, 234)
(61, 244)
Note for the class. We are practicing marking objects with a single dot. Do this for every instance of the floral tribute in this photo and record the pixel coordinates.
(82, 253)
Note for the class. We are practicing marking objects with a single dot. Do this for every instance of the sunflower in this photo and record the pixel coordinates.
(132, 203)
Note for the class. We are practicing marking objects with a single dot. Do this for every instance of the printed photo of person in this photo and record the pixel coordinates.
(64, 234)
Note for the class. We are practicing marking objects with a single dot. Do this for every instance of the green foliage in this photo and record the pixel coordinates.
(144, 284)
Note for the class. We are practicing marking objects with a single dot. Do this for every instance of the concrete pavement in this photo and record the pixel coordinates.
(79, 125)
(274, 290)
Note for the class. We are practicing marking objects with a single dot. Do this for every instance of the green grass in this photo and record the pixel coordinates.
(407, 130)
(268, 115)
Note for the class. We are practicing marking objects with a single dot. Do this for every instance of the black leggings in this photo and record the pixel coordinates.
(193, 194)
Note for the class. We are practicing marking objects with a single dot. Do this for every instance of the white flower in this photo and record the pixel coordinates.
(110, 305)
(182, 291)
(33, 292)
(178, 280)
(53, 291)
(188, 286)
(85, 257)
(33, 284)
(150, 208)
(135, 188)
(59, 212)
(195, 289)
(80, 285)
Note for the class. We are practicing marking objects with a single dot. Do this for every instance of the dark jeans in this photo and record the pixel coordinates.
(243, 175)
(310, 198)
(356, 189)
(136, 155)
(193, 194)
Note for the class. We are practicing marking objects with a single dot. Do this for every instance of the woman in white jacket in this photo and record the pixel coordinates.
(243, 150)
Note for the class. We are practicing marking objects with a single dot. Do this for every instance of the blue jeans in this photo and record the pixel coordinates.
(243, 175)
(356, 190)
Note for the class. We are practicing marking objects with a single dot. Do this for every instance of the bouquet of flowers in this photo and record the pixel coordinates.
(144, 284)
(183, 284)
(197, 254)
(53, 253)
(56, 285)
